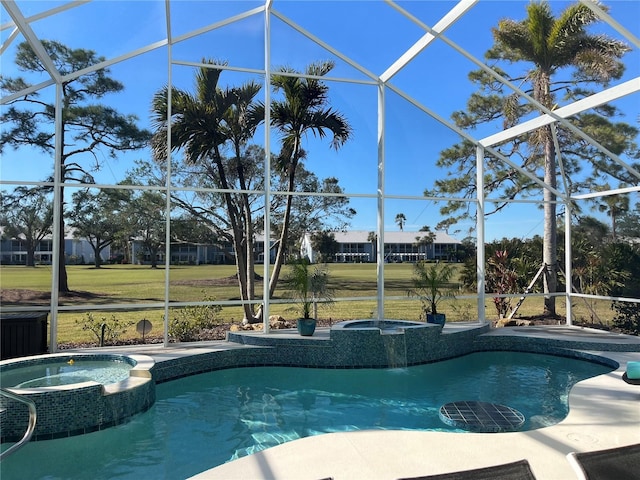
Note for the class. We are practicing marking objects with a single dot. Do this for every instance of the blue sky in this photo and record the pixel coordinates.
(370, 33)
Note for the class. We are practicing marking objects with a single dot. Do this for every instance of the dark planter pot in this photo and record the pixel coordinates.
(306, 326)
(438, 318)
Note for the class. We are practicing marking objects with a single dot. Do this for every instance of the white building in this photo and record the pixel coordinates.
(359, 246)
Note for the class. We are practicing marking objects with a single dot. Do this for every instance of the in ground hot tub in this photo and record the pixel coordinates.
(74, 394)
(58, 372)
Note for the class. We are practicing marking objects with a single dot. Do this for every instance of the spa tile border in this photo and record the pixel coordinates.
(75, 409)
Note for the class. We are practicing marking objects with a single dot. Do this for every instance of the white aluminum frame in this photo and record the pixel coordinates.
(21, 24)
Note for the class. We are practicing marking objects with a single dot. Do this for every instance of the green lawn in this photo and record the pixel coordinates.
(128, 284)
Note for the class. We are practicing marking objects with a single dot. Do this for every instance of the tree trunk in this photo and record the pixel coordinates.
(31, 255)
(249, 240)
(282, 245)
(241, 270)
(250, 252)
(241, 260)
(550, 236)
(613, 225)
(96, 256)
(549, 255)
(277, 264)
(240, 257)
(63, 284)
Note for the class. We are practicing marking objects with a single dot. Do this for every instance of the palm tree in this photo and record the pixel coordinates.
(614, 206)
(201, 124)
(401, 220)
(373, 239)
(304, 108)
(551, 44)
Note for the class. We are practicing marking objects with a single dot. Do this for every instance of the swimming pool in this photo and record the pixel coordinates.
(202, 421)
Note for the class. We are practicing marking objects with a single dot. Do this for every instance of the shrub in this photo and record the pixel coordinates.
(113, 327)
(501, 278)
(187, 322)
(182, 329)
(627, 317)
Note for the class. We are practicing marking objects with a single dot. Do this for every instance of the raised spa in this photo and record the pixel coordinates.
(54, 372)
(75, 394)
(392, 343)
(382, 324)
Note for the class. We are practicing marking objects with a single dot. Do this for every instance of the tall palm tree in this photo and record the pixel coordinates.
(401, 220)
(550, 44)
(304, 108)
(201, 124)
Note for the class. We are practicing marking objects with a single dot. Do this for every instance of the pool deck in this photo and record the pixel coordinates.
(604, 413)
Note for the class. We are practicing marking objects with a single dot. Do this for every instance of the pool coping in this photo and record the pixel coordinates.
(604, 413)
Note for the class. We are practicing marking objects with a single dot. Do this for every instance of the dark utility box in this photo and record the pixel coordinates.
(23, 334)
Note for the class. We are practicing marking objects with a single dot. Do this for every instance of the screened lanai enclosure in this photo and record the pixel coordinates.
(158, 138)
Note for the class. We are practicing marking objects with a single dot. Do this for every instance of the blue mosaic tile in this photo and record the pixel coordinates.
(73, 410)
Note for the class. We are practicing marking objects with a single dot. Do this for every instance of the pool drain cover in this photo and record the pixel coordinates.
(481, 417)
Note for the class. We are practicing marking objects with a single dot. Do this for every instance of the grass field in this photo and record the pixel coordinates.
(121, 286)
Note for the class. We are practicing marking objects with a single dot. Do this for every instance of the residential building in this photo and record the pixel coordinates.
(361, 246)
(13, 251)
(354, 246)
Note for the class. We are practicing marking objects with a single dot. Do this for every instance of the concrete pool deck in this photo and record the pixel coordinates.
(604, 413)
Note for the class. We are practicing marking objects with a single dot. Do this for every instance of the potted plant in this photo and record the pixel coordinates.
(308, 286)
(431, 284)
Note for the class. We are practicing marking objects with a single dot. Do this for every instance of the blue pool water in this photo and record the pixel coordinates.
(202, 421)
